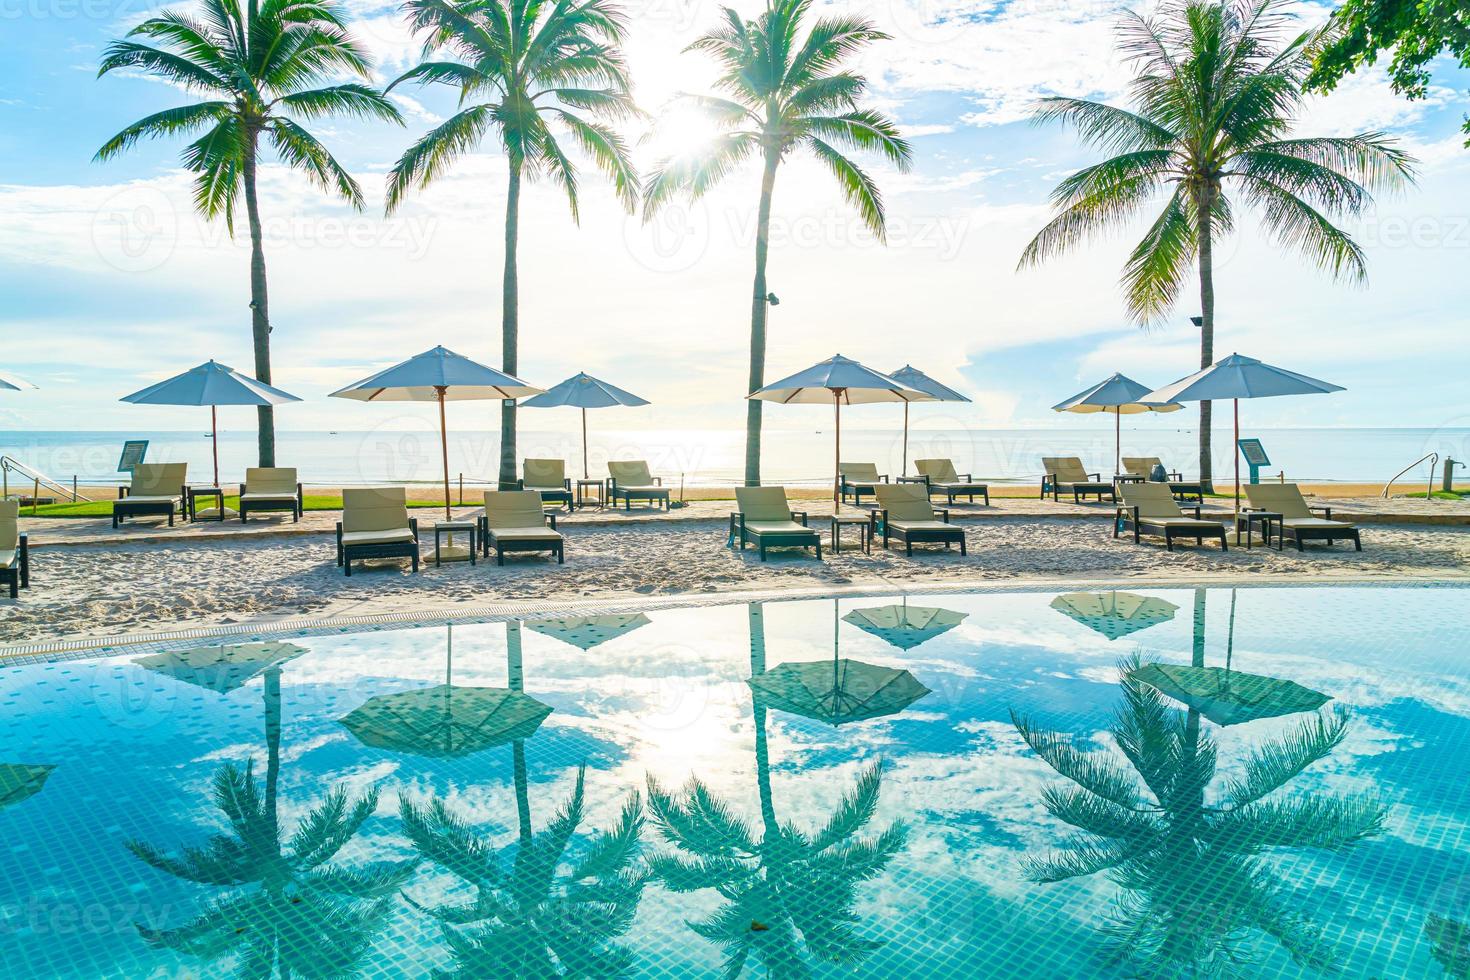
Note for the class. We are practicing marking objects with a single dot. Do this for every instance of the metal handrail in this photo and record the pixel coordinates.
(1429, 491)
(9, 464)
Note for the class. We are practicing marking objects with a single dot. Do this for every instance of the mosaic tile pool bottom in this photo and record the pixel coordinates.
(1106, 784)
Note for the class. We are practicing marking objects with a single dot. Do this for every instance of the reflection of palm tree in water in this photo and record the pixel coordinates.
(1187, 858)
(289, 912)
(530, 921)
(1447, 927)
(787, 888)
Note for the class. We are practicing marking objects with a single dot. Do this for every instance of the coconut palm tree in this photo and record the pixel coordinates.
(286, 911)
(260, 68)
(1217, 91)
(782, 93)
(1187, 853)
(524, 69)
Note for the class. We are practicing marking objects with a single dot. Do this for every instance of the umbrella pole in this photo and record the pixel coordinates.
(1235, 454)
(444, 449)
(904, 468)
(214, 439)
(585, 474)
(1117, 441)
(837, 453)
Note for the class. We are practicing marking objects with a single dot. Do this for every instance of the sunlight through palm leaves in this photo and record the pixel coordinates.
(1217, 90)
(524, 70)
(551, 913)
(261, 68)
(781, 94)
(1185, 851)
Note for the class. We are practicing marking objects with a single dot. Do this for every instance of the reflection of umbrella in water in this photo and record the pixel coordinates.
(1114, 614)
(905, 626)
(587, 632)
(20, 782)
(1229, 697)
(838, 692)
(222, 669)
(446, 721)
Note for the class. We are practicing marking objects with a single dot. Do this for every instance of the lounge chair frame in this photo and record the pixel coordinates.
(347, 554)
(848, 488)
(963, 485)
(19, 574)
(880, 526)
(488, 540)
(743, 535)
(1129, 518)
(123, 508)
(1051, 485)
(1181, 488)
(1301, 535)
(655, 492)
(551, 495)
(295, 505)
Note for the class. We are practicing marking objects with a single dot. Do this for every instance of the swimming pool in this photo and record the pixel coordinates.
(665, 793)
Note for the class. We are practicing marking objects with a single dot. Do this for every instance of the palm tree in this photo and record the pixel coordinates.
(1216, 93)
(782, 94)
(1195, 889)
(526, 67)
(260, 68)
(287, 912)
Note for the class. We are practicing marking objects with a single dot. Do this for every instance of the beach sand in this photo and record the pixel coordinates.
(95, 587)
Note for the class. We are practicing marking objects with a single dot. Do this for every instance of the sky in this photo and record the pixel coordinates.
(109, 282)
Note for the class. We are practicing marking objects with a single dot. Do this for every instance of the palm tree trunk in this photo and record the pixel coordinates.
(756, 614)
(272, 741)
(1206, 331)
(510, 325)
(515, 679)
(759, 308)
(260, 321)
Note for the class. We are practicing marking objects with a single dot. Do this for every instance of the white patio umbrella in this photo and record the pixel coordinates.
(9, 382)
(212, 384)
(1120, 396)
(583, 391)
(1235, 378)
(438, 375)
(912, 377)
(840, 381)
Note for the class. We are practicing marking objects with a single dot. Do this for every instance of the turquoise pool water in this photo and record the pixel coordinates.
(617, 796)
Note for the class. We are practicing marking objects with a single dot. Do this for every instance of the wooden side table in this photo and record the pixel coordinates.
(217, 494)
(860, 521)
(1248, 519)
(442, 528)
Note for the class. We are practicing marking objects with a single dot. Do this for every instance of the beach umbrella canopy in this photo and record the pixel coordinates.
(438, 375)
(839, 381)
(20, 782)
(583, 391)
(446, 721)
(905, 626)
(586, 632)
(838, 691)
(222, 669)
(213, 384)
(912, 377)
(1117, 395)
(1229, 697)
(1114, 614)
(9, 382)
(1238, 377)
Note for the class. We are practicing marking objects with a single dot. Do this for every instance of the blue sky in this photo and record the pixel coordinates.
(108, 282)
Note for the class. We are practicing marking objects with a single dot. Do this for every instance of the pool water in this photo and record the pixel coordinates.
(1263, 782)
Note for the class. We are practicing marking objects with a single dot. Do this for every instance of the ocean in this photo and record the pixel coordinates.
(715, 457)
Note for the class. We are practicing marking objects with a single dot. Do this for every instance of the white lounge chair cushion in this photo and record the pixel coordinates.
(763, 505)
(141, 499)
(270, 481)
(376, 537)
(632, 474)
(542, 533)
(647, 488)
(960, 485)
(283, 496)
(9, 558)
(1185, 522)
(778, 527)
(1310, 523)
(922, 525)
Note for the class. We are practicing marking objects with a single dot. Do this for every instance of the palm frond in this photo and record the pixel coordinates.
(864, 129)
(1318, 821)
(302, 151)
(696, 175)
(446, 840)
(350, 99)
(1109, 128)
(1158, 265)
(1101, 777)
(433, 153)
(857, 186)
(1273, 764)
(170, 122)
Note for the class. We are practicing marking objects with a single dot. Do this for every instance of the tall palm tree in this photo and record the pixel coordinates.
(260, 67)
(1195, 890)
(287, 911)
(781, 94)
(526, 68)
(1217, 93)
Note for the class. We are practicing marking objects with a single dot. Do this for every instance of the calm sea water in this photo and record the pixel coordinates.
(716, 457)
(664, 796)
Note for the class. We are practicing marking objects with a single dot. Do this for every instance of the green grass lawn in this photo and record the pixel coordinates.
(103, 508)
(1442, 495)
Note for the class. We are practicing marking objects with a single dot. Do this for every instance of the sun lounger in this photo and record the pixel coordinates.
(629, 480)
(940, 477)
(1066, 474)
(515, 521)
(859, 480)
(1298, 522)
(904, 512)
(548, 477)
(15, 552)
(271, 488)
(1150, 508)
(766, 520)
(157, 489)
(375, 524)
(1142, 468)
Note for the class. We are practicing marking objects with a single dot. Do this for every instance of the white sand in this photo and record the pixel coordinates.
(113, 590)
